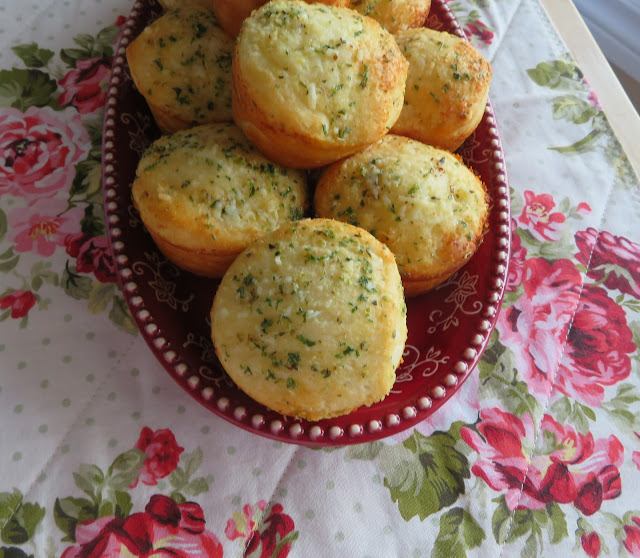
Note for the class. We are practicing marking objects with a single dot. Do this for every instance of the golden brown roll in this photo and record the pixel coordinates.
(315, 83)
(206, 193)
(232, 13)
(310, 320)
(394, 15)
(181, 64)
(422, 202)
(447, 88)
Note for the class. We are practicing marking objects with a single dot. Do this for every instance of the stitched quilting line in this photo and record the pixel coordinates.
(73, 424)
(496, 46)
(607, 203)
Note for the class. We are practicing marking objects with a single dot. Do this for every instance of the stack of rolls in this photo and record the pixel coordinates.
(256, 98)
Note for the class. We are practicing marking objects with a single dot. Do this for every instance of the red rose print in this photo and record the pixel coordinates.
(43, 226)
(569, 468)
(591, 544)
(612, 259)
(583, 209)
(635, 456)
(598, 347)
(83, 86)
(632, 537)
(93, 256)
(163, 529)
(163, 455)
(480, 30)
(516, 263)
(73, 242)
(539, 219)
(19, 301)
(578, 362)
(38, 149)
(277, 531)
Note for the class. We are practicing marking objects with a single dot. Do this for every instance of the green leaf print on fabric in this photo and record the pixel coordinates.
(499, 378)
(32, 55)
(458, 533)
(121, 317)
(69, 512)
(181, 480)
(509, 526)
(557, 74)
(22, 89)
(13, 552)
(18, 519)
(581, 107)
(75, 285)
(91, 47)
(424, 474)
(573, 108)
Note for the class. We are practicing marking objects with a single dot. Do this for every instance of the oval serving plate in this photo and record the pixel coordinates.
(448, 328)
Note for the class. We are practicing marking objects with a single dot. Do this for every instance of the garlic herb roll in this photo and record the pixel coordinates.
(422, 202)
(395, 15)
(314, 83)
(447, 88)
(181, 64)
(310, 320)
(206, 193)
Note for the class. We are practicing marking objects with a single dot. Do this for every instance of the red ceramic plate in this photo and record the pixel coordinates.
(448, 328)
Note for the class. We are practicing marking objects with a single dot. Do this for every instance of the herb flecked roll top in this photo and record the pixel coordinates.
(181, 64)
(310, 320)
(313, 83)
(205, 193)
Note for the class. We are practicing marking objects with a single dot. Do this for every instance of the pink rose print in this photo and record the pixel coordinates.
(535, 327)
(163, 455)
(516, 263)
(539, 219)
(93, 256)
(38, 150)
(163, 529)
(611, 259)
(43, 226)
(570, 468)
(598, 344)
(591, 544)
(19, 301)
(83, 86)
(631, 541)
(480, 30)
(276, 537)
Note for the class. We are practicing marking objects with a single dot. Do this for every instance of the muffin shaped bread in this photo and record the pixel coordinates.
(394, 15)
(447, 88)
(422, 202)
(181, 64)
(314, 83)
(206, 193)
(310, 320)
(232, 13)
